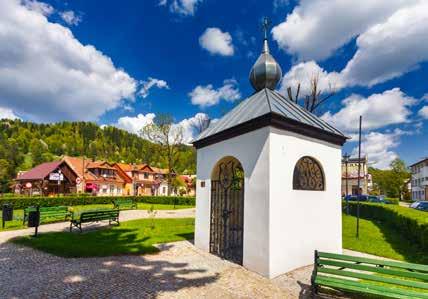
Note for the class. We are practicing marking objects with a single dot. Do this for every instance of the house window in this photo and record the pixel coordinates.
(146, 175)
(163, 190)
(308, 175)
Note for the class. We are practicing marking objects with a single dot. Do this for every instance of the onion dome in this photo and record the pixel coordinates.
(266, 72)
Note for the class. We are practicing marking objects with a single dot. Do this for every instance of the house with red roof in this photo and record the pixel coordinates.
(47, 178)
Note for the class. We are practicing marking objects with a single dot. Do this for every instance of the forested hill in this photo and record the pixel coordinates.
(26, 144)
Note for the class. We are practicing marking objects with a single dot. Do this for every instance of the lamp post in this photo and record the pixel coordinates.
(346, 159)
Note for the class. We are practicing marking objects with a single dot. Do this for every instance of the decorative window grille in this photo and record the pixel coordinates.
(308, 175)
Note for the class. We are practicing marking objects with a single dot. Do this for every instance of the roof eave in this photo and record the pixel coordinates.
(276, 121)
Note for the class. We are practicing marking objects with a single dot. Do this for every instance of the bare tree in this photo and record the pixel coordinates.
(200, 123)
(316, 96)
(169, 137)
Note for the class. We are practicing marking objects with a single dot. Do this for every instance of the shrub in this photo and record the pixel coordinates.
(23, 202)
(393, 201)
(412, 224)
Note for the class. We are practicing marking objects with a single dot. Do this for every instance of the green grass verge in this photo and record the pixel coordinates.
(379, 239)
(19, 214)
(131, 237)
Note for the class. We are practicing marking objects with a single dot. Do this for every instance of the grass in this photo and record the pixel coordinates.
(131, 237)
(136, 237)
(19, 214)
(381, 240)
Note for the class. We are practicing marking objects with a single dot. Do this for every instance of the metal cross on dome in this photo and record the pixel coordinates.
(265, 26)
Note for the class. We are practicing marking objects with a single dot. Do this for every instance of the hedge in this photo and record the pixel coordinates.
(412, 224)
(23, 202)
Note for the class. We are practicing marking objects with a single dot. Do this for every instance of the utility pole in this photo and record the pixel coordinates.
(359, 181)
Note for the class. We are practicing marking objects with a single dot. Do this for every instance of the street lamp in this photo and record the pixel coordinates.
(346, 157)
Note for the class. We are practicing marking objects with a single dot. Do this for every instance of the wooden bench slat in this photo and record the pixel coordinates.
(394, 272)
(372, 261)
(361, 287)
(383, 279)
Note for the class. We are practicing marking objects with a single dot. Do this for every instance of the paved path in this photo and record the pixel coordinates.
(179, 270)
(124, 216)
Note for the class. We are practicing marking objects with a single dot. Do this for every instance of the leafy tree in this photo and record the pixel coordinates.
(391, 182)
(169, 137)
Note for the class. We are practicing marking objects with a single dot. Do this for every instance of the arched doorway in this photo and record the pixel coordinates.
(227, 210)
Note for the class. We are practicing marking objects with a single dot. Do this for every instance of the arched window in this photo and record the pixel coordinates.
(308, 175)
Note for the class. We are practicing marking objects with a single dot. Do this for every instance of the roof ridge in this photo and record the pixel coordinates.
(302, 110)
(268, 99)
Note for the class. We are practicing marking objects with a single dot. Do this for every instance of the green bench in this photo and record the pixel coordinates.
(369, 276)
(122, 204)
(48, 212)
(94, 216)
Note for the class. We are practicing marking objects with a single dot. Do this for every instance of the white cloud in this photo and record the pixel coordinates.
(46, 74)
(181, 7)
(40, 7)
(316, 28)
(389, 35)
(424, 112)
(206, 96)
(188, 126)
(303, 73)
(7, 113)
(392, 48)
(378, 110)
(135, 124)
(379, 148)
(217, 42)
(152, 82)
(70, 17)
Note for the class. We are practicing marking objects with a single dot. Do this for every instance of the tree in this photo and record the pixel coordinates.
(400, 177)
(391, 182)
(37, 150)
(169, 137)
(316, 96)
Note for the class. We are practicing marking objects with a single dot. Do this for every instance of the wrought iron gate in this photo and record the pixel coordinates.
(227, 213)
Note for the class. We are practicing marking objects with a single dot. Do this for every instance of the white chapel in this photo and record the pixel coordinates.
(269, 181)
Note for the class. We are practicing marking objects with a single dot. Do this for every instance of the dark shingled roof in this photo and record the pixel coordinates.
(40, 171)
(269, 102)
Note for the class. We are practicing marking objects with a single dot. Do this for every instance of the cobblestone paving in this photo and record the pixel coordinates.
(178, 271)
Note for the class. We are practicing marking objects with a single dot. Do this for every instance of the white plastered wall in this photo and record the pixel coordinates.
(302, 221)
(252, 151)
(282, 226)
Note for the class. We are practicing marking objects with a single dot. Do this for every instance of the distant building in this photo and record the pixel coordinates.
(80, 175)
(97, 177)
(47, 178)
(419, 180)
(145, 179)
(350, 176)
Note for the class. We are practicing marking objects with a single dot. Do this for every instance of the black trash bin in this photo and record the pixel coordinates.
(34, 218)
(7, 213)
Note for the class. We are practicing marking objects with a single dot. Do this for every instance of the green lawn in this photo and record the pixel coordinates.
(136, 237)
(131, 237)
(19, 214)
(381, 240)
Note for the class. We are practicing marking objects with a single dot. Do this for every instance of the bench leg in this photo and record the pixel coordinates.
(71, 226)
(80, 227)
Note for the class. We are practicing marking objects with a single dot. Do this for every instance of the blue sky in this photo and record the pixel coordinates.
(122, 63)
